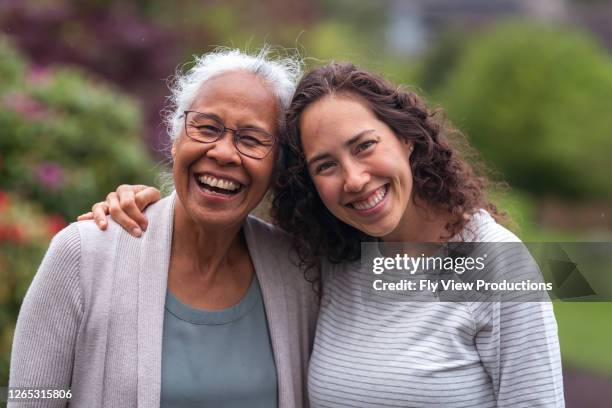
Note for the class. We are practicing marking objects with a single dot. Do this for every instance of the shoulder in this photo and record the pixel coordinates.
(482, 227)
(266, 239)
(261, 228)
(163, 208)
(65, 247)
(94, 240)
(271, 250)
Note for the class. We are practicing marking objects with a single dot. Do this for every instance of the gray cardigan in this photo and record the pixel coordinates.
(92, 319)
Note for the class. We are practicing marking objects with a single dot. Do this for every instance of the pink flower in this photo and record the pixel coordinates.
(50, 175)
(25, 105)
(38, 75)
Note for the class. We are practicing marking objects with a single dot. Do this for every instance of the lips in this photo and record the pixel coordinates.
(372, 200)
(217, 184)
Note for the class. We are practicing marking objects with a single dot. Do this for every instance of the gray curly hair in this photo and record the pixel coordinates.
(280, 72)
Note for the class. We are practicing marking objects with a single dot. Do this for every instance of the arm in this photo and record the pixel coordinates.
(125, 206)
(49, 319)
(519, 348)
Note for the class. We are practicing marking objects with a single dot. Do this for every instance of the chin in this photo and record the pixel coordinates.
(207, 216)
(377, 230)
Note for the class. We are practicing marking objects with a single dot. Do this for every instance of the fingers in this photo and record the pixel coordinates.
(127, 200)
(85, 217)
(148, 195)
(119, 215)
(134, 199)
(99, 212)
(125, 206)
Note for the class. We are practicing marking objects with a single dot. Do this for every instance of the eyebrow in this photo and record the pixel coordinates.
(247, 126)
(348, 143)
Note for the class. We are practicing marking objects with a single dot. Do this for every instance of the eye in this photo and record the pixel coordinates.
(255, 137)
(250, 141)
(367, 145)
(324, 166)
(208, 129)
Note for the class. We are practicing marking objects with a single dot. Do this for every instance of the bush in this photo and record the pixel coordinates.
(536, 101)
(24, 235)
(65, 139)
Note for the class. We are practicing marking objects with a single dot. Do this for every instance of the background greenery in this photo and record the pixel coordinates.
(82, 84)
(66, 141)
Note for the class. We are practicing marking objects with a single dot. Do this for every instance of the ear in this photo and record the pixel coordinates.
(409, 146)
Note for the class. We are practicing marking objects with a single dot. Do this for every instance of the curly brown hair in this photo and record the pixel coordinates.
(441, 175)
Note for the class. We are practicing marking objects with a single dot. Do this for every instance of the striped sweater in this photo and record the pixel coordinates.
(370, 353)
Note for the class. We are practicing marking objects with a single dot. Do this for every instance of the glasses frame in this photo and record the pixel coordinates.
(234, 132)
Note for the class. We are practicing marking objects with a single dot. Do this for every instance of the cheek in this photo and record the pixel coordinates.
(399, 166)
(184, 152)
(179, 162)
(329, 190)
(260, 174)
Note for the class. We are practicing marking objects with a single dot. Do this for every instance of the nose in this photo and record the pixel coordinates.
(224, 151)
(355, 178)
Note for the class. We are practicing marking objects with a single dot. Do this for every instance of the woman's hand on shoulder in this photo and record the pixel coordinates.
(125, 206)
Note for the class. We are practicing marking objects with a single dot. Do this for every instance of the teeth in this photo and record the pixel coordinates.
(372, 201)
(219, 183)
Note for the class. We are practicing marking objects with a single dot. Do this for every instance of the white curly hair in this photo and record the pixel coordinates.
(280, 72)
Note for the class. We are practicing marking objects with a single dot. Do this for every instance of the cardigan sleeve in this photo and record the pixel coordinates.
(51, 312)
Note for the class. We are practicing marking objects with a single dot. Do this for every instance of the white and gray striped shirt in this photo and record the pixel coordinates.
(370, 353)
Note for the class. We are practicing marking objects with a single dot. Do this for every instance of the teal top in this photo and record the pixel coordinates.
(221, 358)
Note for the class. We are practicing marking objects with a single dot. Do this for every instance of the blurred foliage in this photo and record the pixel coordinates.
(25, 231)
(109, 38)
(66, 139)
(441, 60)
(12, 66)
(137, 44)
(584, 336)
(536, 101)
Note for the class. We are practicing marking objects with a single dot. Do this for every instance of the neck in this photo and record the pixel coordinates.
(207, 249)
(421, 223)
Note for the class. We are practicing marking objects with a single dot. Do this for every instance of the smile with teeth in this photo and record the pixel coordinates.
(372, 201)
(218, 185)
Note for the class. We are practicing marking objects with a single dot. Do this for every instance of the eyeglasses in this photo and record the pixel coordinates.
(251, 142)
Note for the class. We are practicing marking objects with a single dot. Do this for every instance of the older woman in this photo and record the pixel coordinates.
(366, 161)
(206, 309)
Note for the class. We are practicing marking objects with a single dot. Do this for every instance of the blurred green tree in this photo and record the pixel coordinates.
(536, 101)
(24, 234)
(66, 139)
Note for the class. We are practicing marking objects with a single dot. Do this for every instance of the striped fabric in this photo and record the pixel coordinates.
(374, 353)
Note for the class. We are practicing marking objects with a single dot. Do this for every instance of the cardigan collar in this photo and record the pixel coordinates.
(155, 251)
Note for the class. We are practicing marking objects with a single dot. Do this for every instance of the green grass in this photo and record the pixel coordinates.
(585, 328)
(585, 331)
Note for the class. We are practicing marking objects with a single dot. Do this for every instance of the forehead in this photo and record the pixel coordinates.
(237, 96)
(333, 119)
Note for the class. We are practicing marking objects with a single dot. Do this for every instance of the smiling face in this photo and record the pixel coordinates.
(359, 166)
(215, 184)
